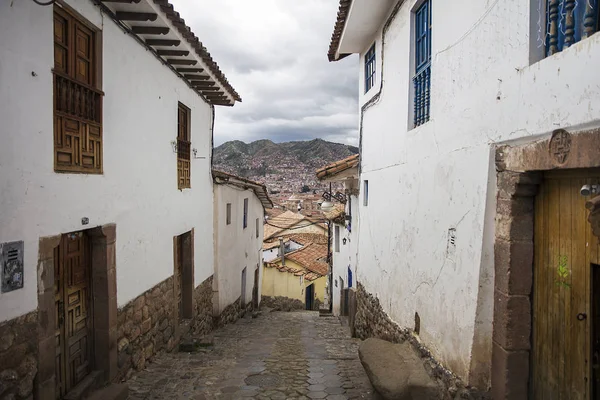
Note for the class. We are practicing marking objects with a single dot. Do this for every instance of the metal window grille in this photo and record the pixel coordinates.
(422, 78)
(569, 21)
(370, 68)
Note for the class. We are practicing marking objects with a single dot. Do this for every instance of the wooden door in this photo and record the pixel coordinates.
(73, 311)
(178, 278)
(255, 289)
(565, 249)
(243, 291)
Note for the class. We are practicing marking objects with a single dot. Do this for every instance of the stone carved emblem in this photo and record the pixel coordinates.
(560, 145)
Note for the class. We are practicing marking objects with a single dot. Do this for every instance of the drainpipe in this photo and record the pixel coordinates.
(282, 251)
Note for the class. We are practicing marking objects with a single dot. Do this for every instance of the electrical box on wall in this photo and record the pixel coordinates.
(11, 262)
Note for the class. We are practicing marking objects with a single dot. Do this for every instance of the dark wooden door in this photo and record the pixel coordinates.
(309, 296)
(255, 289)
(73, 311)
(178, 277)
(565, 249)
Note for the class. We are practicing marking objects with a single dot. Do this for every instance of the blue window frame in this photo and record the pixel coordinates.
(422, 78)
(370, 68)
(569, 21)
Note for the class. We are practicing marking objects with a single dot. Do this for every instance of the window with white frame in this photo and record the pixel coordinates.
(370, 68)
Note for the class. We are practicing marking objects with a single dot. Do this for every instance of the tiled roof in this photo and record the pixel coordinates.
(311, 276)
(338, 29)
(281, 223)
(307, 238)
(259, 189)
(337, 214)
(337, 167)
(273, 212)
(272, 244)
(311, 257)
(151, 33)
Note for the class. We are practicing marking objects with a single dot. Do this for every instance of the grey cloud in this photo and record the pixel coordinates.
(274, 54)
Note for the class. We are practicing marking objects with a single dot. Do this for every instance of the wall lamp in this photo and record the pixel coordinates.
(327, 205)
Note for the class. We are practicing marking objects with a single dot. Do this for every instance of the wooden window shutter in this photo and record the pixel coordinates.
(183, 148)
(78, 141)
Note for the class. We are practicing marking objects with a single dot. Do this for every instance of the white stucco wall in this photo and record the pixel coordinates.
(236, 248)
(138, 190)
(346, 257)
(425, 181)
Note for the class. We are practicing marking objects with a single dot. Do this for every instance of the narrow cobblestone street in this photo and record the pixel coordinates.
(278, 356)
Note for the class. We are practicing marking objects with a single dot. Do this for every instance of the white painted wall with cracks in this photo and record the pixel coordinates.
(488, 87)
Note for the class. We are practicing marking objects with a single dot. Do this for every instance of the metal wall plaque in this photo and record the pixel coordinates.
(11, 259)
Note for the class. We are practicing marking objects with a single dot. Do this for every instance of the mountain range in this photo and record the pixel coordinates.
(284, 167)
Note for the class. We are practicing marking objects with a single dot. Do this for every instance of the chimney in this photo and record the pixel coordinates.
(282, 251)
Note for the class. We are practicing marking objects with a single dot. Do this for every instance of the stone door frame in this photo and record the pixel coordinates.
(519, 174)
(104, 298)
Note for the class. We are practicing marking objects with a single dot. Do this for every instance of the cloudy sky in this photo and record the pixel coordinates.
(274, 53)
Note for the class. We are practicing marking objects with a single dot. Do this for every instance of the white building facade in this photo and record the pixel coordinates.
(464, 108)
(106, 202)
(344, 232)
(239, 210)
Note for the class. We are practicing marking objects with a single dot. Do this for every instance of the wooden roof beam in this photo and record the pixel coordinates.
(196, 79)
(215, 95)
(150, 30)
(173, 61)
(184, 70)
(122, 1)
(135, 16)
(204, 84)
(173, 53)
(162, 42)
(210, 89)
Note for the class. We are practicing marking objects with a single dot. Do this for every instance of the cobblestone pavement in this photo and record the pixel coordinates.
(278, 356)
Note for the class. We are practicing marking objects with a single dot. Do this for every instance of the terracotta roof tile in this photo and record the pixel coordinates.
(259, 189)
(307, 238)
(193, 40)
(338, 29)
(311, 257)
(337, 167)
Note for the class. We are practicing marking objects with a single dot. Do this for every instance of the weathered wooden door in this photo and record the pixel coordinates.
(255, 289)
(565, 250)
(73, 311)
(178, 277)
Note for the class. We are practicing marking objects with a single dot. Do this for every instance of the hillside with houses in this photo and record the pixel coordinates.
(283, 167)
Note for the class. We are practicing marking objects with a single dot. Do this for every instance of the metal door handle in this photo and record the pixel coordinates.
(581, 316)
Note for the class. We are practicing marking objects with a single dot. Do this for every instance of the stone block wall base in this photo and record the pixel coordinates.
(280, 303)
(18, 356)
(370, 320)
(146, 325)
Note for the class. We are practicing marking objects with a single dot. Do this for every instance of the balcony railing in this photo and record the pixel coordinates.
(77, 100)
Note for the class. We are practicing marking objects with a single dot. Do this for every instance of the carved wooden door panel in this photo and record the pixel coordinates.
(565, 250)
(73, 311)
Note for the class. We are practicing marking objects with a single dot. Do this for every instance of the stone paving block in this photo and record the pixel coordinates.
(297, 349)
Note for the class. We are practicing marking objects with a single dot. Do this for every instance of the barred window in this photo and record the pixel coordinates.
(422, 78)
